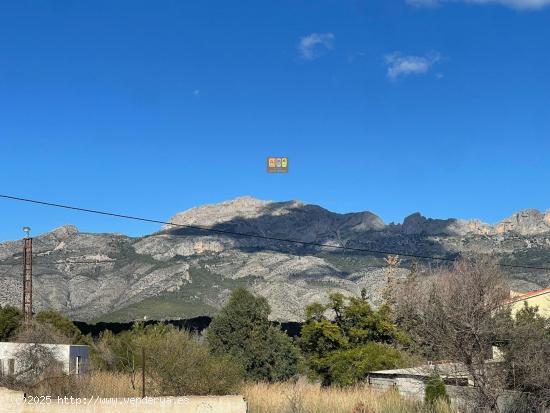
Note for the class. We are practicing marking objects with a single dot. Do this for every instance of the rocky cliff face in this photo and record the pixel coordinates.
(184, 272)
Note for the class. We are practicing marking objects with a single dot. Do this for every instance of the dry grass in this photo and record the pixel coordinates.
(100, 384)
(112, 384)
(262, 398)
(309, 398)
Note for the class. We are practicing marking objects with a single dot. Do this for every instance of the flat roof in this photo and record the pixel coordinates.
(41, 344)
(452, 370)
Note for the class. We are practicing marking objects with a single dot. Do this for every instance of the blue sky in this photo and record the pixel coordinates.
(393, 106)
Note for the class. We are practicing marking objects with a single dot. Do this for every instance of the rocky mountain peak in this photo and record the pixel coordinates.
(525, 222)
(212, 214)
(365, 221)
(64, 231)
(418, 224)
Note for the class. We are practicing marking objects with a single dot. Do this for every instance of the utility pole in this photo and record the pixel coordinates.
(27, 275)
(142, 372)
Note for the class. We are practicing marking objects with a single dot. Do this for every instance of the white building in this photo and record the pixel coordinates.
(74, 358)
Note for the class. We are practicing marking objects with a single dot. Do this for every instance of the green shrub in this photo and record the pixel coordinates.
(60, 323)
(10, 319)
(435, 390)
(176, 362)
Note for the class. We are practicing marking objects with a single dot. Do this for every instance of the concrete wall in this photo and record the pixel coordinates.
(407, 386)
(12, 402)
(461, 395)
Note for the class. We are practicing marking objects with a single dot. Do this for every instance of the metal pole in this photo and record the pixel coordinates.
(27, 278)
(143, 372)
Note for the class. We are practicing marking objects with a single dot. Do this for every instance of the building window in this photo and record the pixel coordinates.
(77, 364)
(11, 367)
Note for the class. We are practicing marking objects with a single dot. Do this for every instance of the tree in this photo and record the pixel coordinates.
(10, 319)
(177, 364)
(451, 316)
(50, 327)
(354, 340)
(243, 331)
(35, 332)
(36, 363)
(350, 366)
(122, 352)
(525, 343)
(61, 323)
(393, 262)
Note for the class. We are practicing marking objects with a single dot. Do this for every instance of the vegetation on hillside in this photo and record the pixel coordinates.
(176, 361)
(452, 314)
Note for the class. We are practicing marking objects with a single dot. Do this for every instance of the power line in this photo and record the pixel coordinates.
(245, 235)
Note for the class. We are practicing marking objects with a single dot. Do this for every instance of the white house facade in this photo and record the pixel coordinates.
(74, 358)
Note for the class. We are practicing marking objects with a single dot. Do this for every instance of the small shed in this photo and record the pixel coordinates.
(73, 358)
(411, 382)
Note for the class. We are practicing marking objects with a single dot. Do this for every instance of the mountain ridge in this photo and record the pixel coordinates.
(527, 222)
(181, 272)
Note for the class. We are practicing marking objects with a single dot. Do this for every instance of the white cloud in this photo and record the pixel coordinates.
(401, 66)
(313, 45)
(515, 4)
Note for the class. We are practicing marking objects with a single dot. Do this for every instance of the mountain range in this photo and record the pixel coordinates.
(183, 272)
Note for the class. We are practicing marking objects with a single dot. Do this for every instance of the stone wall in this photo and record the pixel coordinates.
(14, 402)
(414, 388)
(407, 386)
